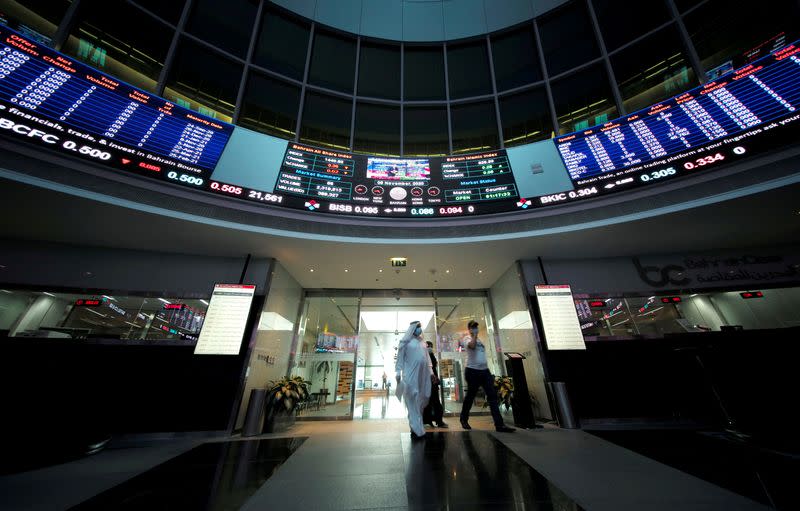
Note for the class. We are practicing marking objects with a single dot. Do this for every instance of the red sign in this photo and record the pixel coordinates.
(174, 306)
(671, 299)
(752, 294)
(597, 303)
(87, 303)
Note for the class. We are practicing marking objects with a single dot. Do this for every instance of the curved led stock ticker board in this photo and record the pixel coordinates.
(332, 181)
(51, 100)
(743, 113)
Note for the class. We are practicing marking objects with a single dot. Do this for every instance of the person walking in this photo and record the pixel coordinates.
(434, 411)
(477, 375)
(414, 375)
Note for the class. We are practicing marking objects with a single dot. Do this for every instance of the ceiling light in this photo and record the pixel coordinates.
(415, 271)
(480, 271)
(346, 270)
(311, 270)
(48, 294)
(110, 298)
(5, 291)
(380, 271)
(165, 301)
(448, 271)
(204, 302)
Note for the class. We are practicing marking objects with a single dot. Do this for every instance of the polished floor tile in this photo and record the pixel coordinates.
(217, 475)
(472, 470)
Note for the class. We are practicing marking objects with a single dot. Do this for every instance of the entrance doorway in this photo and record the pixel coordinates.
(382, 323)
(347, 341)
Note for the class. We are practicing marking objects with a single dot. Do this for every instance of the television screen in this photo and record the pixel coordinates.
(396, 169)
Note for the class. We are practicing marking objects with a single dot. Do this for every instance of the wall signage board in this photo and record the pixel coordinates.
(225, 320)
(562, 330)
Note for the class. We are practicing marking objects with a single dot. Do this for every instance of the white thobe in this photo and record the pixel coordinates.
(414, 367)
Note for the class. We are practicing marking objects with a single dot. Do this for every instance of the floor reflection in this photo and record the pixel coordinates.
(214, 476)
(472, 470)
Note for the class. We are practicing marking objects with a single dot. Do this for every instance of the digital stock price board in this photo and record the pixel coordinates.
(54, 102)
(746, 112)
(51, 100)
(331, 181)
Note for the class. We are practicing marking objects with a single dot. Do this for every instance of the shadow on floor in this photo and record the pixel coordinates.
(766, 476)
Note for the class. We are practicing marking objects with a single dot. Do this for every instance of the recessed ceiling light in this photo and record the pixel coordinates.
(448, 271)
(380, 271)
(346, 270)
(414, 271)
(311, 270)
(480, 271)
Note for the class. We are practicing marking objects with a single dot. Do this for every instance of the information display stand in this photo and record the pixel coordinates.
(226, 320)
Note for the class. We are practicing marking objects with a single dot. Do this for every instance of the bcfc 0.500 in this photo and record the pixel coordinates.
(89, 151)
(185, 178)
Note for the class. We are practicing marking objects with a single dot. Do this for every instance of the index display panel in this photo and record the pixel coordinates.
(52, 100)
(226, 319)
(562, 329)
(744, 112)
(326, 180)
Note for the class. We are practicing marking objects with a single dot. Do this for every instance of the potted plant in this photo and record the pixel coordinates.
(283, 397)
(504, 386)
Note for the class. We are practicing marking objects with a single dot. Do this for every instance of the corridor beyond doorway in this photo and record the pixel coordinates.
(347, 341)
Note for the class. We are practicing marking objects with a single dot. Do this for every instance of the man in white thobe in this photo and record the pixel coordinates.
(414, 370)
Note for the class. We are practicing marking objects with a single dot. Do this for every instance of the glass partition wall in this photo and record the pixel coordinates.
(346, 343)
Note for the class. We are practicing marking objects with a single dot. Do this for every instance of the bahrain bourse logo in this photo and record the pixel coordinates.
(661, 276)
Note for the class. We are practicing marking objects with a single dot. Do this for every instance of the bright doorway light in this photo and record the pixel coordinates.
(393, 320)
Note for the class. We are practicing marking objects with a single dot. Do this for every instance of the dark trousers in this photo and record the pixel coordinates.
(477, 378)
(434, 411)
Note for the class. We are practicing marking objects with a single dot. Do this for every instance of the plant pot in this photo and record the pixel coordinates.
(278, 420)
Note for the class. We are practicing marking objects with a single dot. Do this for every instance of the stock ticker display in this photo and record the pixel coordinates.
(746, 112)
(52, 100)
(331, 181)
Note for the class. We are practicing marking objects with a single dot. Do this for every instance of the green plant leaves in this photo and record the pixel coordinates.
(288, 390)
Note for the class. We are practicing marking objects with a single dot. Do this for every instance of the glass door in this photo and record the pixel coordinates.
(325, 354)
(382, 322)
(453, 311)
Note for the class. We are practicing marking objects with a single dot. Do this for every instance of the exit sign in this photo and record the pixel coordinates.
(398, 262)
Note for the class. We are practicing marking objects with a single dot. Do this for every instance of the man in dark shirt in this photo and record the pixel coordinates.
(433, 412)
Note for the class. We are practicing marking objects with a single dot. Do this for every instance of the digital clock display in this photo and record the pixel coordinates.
(50, 99)
(740, 114)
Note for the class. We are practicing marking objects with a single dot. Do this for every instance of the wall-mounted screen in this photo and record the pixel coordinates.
(226, 319)
(330, 181)
(745, 112)
(52, 100)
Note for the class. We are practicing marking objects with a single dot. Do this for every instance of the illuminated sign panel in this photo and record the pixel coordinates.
(745, 112)
(53, 101)
(330, 181)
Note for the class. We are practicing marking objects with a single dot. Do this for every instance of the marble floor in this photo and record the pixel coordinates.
(371, 464)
